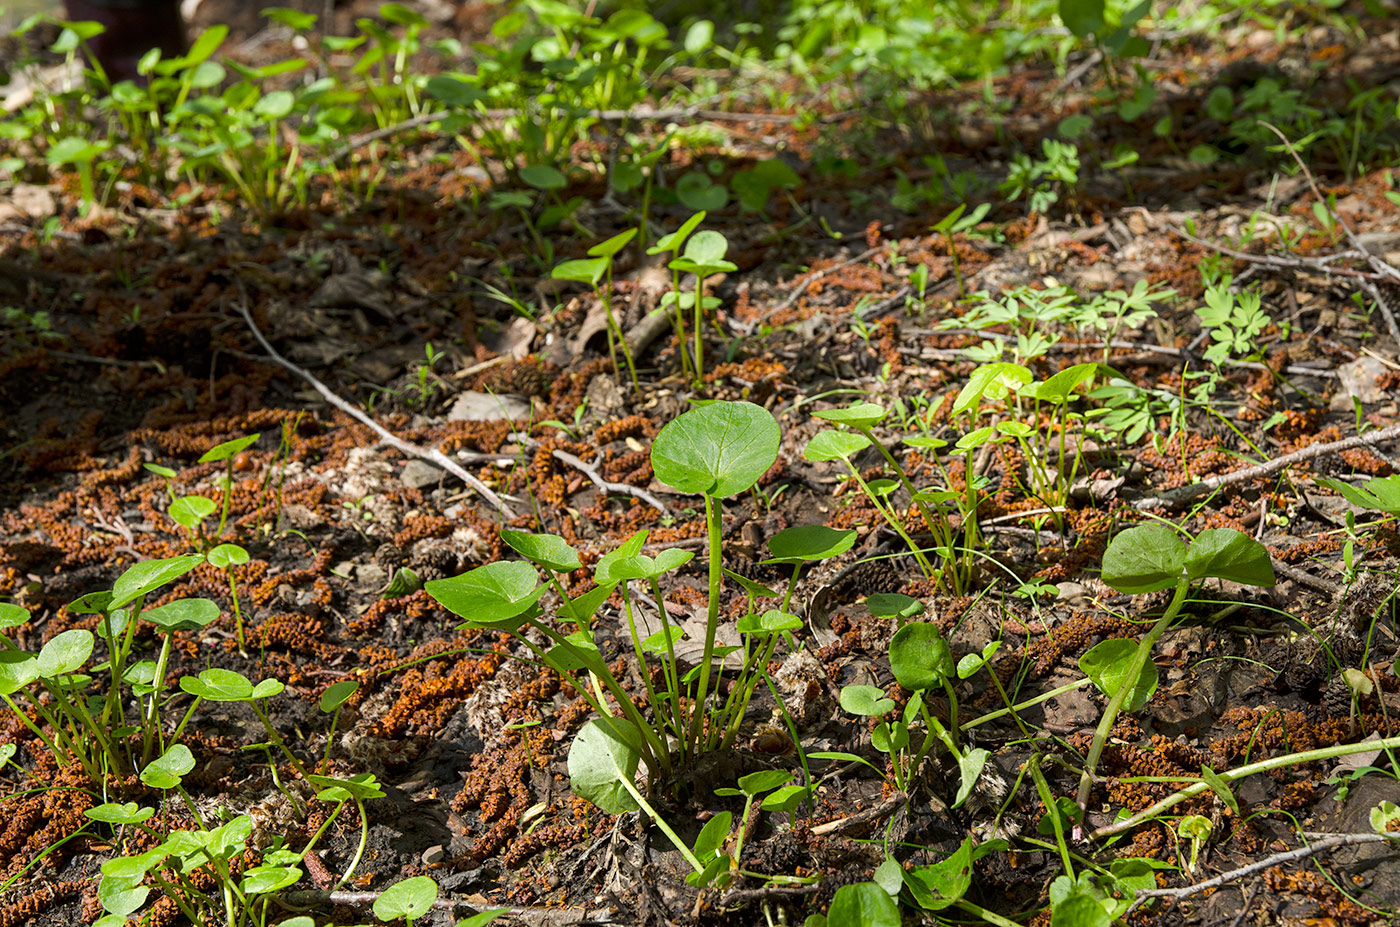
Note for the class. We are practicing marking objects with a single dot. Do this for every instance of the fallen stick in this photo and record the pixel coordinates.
(608, 485)
(1311, 452)
(1268, 862)
(413, 450)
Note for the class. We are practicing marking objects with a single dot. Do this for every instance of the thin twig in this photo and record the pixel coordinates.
(853, 821)
(413, 450)
(609, 486)
(1311, 452)
(801, 286)
(1268, 862)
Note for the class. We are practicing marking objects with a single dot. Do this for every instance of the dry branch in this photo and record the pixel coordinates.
(426, 453)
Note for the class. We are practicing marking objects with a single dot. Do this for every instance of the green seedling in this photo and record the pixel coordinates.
(671, 244)
(332, 701)
(221, 685)
(1380, 494)
(894, 605)
(920, 659)
(1151, 558)
(721, 866)
(226, 452)
(357, 788)
(1195, 829)
(703, 256)
(599, 267)
(180, 615)
(225, 557)
(952, 225)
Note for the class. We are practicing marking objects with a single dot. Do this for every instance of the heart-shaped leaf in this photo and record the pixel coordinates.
(182, 614)
(602, 756)
(1229, 554)
(412, 898)
(865, 700)
(587, 270)
(613, 245)
(945, 881)
(920, 657)
(720, 449)
(1107, 664)
(262, 879)
(336, 694)
(227, 555)
(12, 616)
(834, 445)
(150, 575)
(993, 381)
(548, 550)
(490, 594)
(166, 771)
(65, 653)
(218, 685)
(189, 511)
(1144, 559)
(115, 813)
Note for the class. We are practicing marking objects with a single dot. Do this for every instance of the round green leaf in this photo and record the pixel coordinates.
(810, 542)
(166, 771)
(189, 511)
(411, 898)
(772, 621)
(64, 653)
(720, 449)
(542, 177)
(266, 689)
(920, 657)
(227, 555)
(17, 670)
(834, 445)
(1144, 559)
(336, 694)
(262, 879)
(218, 685)
(861, 415)
(865, 700)
(864, 904)
(602, 756)
(1229, 554)
(182, 614)
(12, 616)
(91, 604)
(1107, 664)
(548, 550)
(893, 605)
(490, 594)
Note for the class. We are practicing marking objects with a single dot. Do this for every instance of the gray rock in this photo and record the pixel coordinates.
(487, 407)
(419, 474)
(1359, 379)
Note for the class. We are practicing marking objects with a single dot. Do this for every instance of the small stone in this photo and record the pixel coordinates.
(434, 855)
(472, 406)
(371, 575)
(1359, 378)
(419, 474)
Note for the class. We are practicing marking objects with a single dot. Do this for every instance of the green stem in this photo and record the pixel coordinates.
(1022, 706)
(712, 520)
(1241, 772)
(237, 612)
(277, 740)
(152, 726)
(671, 835)
(1052, 810)
(893, 521)
(1130, 678)
(360, 850)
